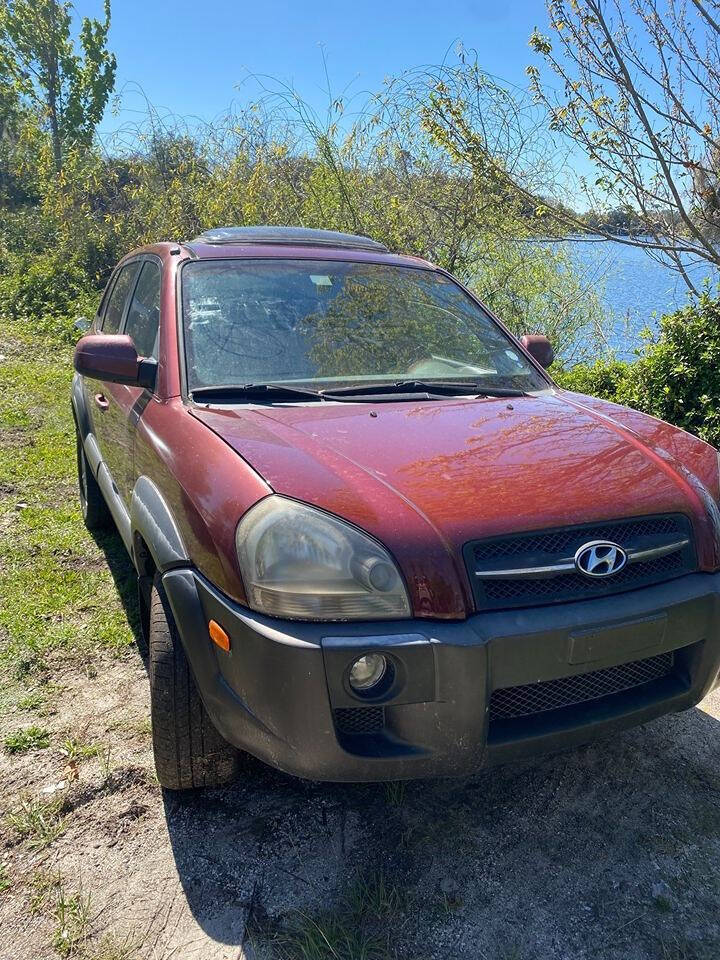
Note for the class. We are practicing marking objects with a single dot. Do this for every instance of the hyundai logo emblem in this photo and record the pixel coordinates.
(600, 558)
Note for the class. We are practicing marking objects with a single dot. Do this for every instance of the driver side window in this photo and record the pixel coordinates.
(143, 317)
(118, 297)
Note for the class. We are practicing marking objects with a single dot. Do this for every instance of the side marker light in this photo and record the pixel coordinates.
(218, 636)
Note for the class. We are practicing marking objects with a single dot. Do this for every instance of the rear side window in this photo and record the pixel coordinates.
(117, 298)
(144, 314)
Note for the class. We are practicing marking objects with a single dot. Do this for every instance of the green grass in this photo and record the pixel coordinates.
(374, 895)
(29, 738)
(38, 822)
(75, 749)
(59, 595)
(33, 700)
(395, 792)
(111, 947)
(70, 913)
(663, 904)
(72, 917)
(5, 881)
(329, 938)
(359, 928)
(44, 886)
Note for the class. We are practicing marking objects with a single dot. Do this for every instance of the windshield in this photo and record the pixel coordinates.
(329, 323)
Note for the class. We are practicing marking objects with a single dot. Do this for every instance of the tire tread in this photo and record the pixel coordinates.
(189, 751)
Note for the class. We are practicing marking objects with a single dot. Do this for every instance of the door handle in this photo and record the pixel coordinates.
(102, 401)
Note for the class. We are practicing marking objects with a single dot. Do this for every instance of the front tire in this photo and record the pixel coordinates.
(189, 751)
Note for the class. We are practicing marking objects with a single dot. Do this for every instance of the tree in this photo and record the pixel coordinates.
(641, 97)
(68, 91)
(9, 122)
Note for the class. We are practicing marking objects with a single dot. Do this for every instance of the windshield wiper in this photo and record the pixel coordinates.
(400, 389)
(461, 387)
(447, 387)
(275, 391)
(270, 392)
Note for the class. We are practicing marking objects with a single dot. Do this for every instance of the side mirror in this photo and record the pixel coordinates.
(113, 358)
(539, 348)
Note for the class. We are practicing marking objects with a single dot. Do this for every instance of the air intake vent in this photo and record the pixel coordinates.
(359, 719)
(533, 698)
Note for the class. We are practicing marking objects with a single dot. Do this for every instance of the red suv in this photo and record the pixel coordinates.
(373, 539)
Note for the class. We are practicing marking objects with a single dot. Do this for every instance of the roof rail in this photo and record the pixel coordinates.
(292, 236)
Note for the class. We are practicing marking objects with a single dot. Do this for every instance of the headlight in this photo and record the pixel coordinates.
(302, 563)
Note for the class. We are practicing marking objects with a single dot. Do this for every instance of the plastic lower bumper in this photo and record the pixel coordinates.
(281, 692)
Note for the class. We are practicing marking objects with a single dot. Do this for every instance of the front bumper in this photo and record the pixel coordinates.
(281, 691)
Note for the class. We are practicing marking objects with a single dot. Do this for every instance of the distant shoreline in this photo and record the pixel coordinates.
(582, 238)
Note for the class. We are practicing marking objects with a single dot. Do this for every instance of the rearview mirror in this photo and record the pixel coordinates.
(539, 348)
(114, 358)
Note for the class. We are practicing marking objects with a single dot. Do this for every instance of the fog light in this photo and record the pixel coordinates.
(368, 672)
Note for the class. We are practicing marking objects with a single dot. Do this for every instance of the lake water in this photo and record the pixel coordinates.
(636, 290)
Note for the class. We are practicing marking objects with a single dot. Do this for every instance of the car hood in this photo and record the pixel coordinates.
(456, 470)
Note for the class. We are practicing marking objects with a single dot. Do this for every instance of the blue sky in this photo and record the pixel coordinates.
(190, 57)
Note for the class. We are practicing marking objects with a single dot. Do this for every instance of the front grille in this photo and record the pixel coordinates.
(575, 583)
(566, 539)
(549, 547)
(568, 691)
(359, 719)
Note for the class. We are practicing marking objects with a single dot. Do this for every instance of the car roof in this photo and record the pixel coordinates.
(293, 243)
(293, 236)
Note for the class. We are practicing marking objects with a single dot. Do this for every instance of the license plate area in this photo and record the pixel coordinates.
(624, 640)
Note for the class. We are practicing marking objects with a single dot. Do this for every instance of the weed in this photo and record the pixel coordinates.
(663, 904)
(5, 881)
(142, 727)
(111, 948)
(30, 738)
(75, 750)
(29, 665)
(356, 930)
(43, 887)
(395, 792)
(31, 701)
(39, 822)
(328, 938)
(104, 759)
(72, 915)
(680, 949)
(375, 895)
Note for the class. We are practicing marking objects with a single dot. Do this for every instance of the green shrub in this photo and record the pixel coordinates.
(47, 293)
(604, 378)
(675, 378)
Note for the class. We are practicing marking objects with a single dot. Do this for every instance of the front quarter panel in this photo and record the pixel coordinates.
(207, 487)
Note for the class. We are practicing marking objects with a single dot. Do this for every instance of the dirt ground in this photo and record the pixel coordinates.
(609, 851)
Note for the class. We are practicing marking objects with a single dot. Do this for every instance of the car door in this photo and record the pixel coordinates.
(142, 323)
(102, 397)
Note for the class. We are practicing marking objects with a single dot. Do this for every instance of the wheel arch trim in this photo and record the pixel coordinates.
(151, 520)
